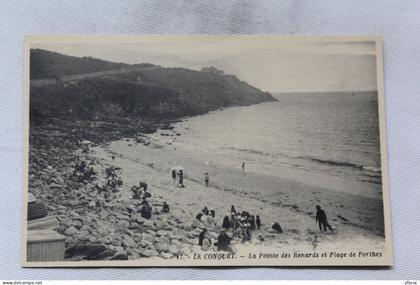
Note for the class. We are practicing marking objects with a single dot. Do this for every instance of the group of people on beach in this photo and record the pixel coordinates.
(111, 183)
(178, 177)
(236, 225)
(83, 171)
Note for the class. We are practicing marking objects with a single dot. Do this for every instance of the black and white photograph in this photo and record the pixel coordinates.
(205, 151)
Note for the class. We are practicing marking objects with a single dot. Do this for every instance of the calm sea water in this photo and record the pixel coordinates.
(331, 133)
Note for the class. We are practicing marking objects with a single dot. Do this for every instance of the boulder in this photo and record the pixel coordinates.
(147, 244)
(162, 247)
(77, 224)
(176, 242)
(148, 224)
(87, 251)
(71, 231)
(162, 233)
(149, 253)
(120, 256)
(166, 255)
(174, 249)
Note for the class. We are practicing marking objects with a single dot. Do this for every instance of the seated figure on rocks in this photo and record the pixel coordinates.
(146, 211)
(226, 222)
(223, 242)
(137, 193)
(204, 240)
(206, 211)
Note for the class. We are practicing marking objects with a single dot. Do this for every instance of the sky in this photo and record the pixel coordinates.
(270, 63)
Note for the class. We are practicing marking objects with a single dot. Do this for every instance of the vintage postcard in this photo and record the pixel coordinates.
(205, 151)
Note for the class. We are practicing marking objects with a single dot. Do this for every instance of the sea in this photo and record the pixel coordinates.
(336, 134)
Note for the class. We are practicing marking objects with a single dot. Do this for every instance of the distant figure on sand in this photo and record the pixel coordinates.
(243, 167)
(181, 178)
(206, 179)
(174, 175)
(321, 218)
(165, 208)
(258, 222)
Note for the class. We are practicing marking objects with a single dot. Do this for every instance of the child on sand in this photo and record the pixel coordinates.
(321, 218)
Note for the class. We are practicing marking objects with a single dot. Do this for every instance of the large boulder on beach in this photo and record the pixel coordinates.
(147, 244)
(71, 231)
(88, 251)
(149, 253)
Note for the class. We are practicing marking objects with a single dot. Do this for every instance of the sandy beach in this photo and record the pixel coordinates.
(356, 219)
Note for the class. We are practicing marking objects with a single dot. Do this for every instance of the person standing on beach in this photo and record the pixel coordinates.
(206, 179)
(258, 222)
(243, 167)
(174, 176)
(321, 218)
(181, 178)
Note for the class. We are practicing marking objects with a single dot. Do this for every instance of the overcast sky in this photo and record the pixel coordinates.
(272, 64)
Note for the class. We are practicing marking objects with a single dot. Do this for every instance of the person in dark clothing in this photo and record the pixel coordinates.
(199, 216)
(321, 219)
(223, 241)
(205, 211)
(245, 214)
(212, 213)
(252, 222)
(206, 179)
(165, 208)
(146, 211)
(226, 222)
(174, 175)
(202, 236)
(246, 234)
(277, 227)
(243, 167)
(181, 178)
(258, 222)
(232, 210)
(143, 185)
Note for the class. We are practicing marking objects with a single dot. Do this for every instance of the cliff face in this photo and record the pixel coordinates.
(87, 88)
